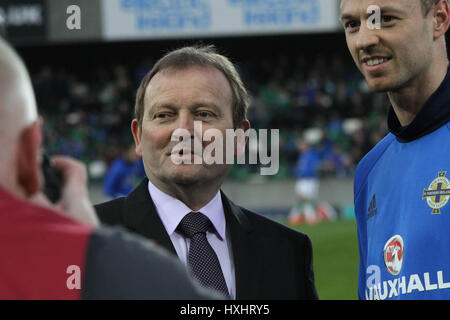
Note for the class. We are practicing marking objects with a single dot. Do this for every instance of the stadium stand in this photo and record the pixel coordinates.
(321, 98)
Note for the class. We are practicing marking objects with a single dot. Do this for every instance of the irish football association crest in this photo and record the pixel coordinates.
(438, 193)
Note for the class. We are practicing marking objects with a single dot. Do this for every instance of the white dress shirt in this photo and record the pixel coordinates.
(172, 210)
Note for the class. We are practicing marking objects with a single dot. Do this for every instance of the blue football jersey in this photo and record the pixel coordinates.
(403, 213)
(402, 205)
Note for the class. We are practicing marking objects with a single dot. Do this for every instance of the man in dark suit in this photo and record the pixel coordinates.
(238, 252)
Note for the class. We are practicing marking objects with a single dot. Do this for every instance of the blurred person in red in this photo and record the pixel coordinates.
(46, 252)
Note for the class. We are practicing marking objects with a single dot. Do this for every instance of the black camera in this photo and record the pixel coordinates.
(52, 180)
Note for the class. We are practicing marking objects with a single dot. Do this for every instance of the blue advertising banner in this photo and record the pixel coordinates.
(147, 19)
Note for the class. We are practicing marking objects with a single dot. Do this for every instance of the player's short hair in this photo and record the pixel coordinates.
(201, 56)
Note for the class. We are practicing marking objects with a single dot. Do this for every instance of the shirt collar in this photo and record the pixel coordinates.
(172, 210)
(434, 114)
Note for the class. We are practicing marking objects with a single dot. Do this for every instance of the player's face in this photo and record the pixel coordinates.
(398, 54)
(175, 99)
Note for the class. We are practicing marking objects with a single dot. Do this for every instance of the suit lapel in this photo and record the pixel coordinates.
(246, 264)
(140, 216)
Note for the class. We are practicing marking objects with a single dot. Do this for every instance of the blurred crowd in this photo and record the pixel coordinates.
(322, 102)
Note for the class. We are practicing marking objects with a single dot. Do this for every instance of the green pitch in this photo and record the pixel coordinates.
(335, 249)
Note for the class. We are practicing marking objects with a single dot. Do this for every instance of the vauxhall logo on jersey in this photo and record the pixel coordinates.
(438, 193)
(393, 253)
(401, 284)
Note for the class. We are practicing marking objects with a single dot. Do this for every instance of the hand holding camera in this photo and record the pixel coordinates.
(65, 189)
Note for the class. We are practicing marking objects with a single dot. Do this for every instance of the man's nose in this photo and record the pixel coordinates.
(186, 122)
(367, 38)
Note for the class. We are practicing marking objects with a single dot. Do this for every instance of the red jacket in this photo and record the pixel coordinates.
(38, 246)
(45, 255)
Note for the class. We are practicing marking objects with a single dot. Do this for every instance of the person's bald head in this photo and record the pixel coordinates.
(20, 131)
(17, 102)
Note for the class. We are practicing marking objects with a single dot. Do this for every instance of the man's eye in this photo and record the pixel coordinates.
(204, 114)
(387, 18)
(351, 24)
(162, 115)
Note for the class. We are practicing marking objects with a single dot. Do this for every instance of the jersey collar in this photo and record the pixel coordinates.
(434, 114)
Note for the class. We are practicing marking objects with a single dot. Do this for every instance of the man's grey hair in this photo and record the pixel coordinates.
(201, 56)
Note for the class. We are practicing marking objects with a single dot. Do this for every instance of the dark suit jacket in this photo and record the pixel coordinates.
(271, 261)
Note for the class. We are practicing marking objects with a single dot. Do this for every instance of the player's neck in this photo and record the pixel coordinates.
(408, 101)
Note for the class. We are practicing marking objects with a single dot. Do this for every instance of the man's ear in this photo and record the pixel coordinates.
(239, 143)
(441, 18)
(136, 130)
(28, 158)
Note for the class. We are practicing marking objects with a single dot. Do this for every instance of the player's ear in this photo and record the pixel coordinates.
(441, 18)
(28, 158)
(136, 130)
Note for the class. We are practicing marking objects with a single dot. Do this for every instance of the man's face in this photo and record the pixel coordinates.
(399, 53)
(175, 99)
